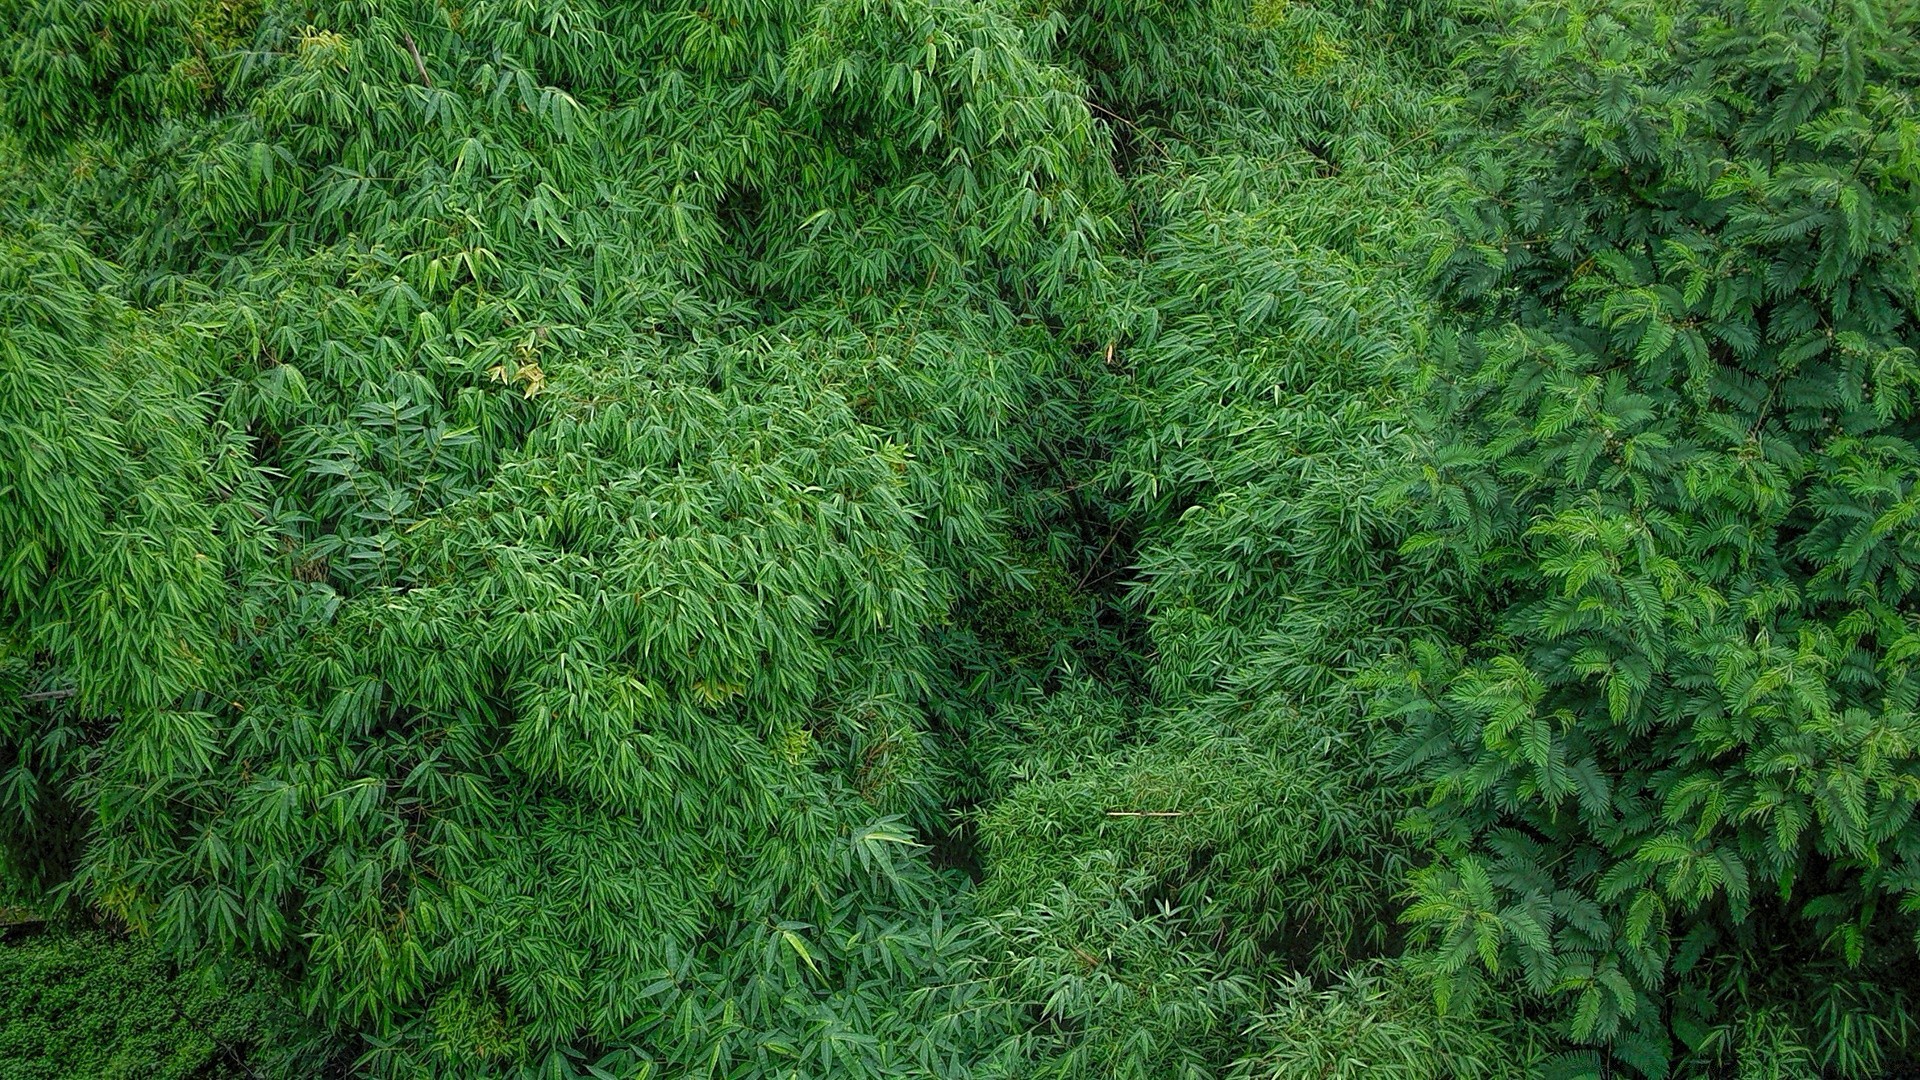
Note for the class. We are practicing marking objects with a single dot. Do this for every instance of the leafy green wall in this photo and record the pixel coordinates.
(969, 538)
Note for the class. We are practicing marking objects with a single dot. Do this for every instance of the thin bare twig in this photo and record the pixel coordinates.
(1146, 813)
(50, 695)
(418, 64)
(1088, 578)
(1137, 129)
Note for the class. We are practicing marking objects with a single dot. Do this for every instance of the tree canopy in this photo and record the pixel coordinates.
(963, 538)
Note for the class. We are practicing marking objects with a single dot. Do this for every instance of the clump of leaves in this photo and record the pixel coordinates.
(523, 517)
(92, 1004)
(1676, 441)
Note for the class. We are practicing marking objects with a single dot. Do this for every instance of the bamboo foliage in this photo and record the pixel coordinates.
(921, 538)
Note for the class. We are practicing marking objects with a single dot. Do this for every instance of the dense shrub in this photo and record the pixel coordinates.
(89, 1004)
(1674, 774)
(958, 538)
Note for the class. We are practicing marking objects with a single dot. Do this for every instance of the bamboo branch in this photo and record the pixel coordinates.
(14, 931)
(418, 64)
(50, 695)
(1146, 813)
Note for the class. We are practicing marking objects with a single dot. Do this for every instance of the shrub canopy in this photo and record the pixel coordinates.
(958, 538)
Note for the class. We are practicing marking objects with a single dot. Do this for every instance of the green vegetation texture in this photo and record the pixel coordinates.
(960, 539)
